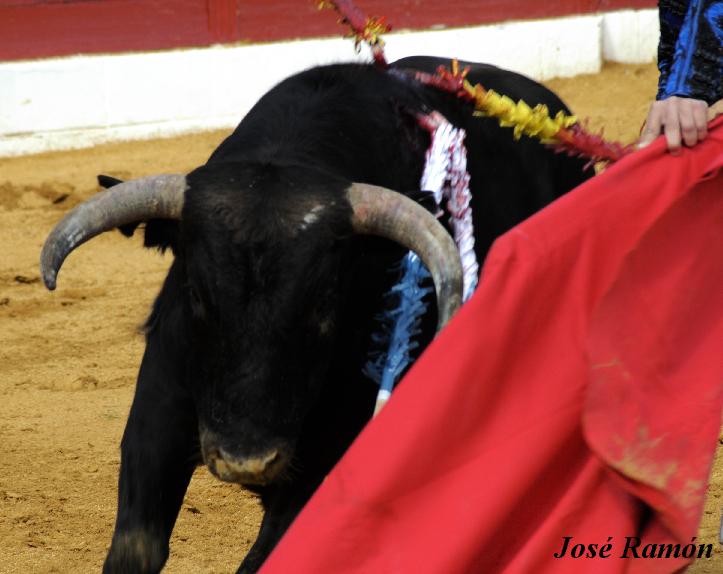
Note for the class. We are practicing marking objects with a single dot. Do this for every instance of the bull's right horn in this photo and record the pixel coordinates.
(384, 212)
(155, 197)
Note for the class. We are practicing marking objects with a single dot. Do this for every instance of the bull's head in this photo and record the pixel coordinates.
(258, 303)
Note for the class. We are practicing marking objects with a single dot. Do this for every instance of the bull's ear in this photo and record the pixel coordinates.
(159, 233)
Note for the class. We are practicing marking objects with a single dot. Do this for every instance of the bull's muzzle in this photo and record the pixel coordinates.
(258, 470)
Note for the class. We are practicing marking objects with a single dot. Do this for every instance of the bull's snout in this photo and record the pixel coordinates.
(258, 470)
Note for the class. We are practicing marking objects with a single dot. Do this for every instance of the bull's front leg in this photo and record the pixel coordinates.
(281, 505)
(159, 452)
(316, 454)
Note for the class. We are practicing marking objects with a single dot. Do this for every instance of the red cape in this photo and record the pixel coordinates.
(578, 393)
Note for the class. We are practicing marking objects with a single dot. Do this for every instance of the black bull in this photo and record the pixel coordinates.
(256, 343)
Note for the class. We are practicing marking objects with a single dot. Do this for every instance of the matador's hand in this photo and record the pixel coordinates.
(676, 117)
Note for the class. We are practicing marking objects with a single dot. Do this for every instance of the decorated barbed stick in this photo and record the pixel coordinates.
(444, 176)
(445, 173)
(363, 28)
(563, 132)
(399, 328)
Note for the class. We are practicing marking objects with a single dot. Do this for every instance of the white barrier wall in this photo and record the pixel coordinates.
(84, 100)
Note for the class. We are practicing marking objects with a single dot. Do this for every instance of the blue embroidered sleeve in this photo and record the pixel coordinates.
(690, 53)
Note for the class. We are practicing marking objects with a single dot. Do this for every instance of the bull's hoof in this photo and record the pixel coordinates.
(135, 552)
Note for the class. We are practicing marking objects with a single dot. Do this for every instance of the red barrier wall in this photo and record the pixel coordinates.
(43, 28)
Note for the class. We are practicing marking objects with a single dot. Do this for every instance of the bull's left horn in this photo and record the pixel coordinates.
(383, 212)
(155, 197)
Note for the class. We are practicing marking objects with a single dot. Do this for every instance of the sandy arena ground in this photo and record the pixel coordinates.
(68, 359)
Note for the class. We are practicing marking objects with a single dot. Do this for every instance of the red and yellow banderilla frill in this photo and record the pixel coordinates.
(564, 132)
(363, 28)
